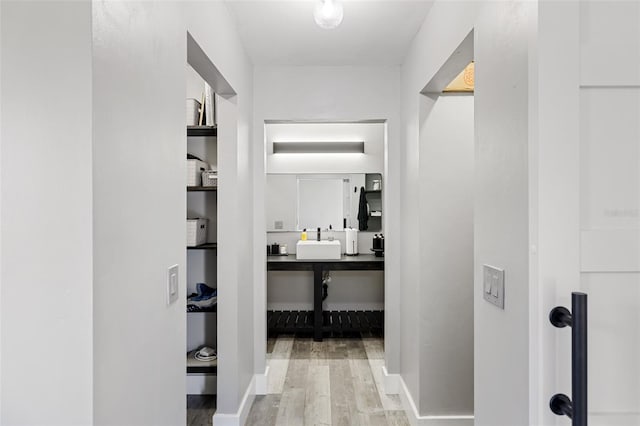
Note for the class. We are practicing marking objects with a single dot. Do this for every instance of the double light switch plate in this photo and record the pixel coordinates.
(493, 285)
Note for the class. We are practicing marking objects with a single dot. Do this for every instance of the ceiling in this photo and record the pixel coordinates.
(373, 32)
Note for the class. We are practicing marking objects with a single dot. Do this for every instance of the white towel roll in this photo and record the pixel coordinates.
(351, 236)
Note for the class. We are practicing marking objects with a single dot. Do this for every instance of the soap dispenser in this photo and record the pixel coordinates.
(303, 235)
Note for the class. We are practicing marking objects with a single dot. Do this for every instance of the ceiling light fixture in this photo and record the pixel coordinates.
(328, 13)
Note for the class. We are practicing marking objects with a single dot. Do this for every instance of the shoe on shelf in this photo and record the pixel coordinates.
(202, 289)
(205, 298)
(203, 303)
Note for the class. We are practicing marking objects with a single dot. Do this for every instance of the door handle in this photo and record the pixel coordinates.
(575, 407)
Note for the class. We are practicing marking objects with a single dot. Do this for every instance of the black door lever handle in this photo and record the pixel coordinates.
(560, 317)
(561, 405)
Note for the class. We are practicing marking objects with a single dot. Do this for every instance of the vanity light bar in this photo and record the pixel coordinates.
(318, 147)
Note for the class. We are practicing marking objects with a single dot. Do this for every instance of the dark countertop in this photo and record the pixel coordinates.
(359, 262)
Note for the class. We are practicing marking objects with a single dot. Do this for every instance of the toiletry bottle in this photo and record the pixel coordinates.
(303, 236)
(330, 234)
(376, 242)
(318, 233)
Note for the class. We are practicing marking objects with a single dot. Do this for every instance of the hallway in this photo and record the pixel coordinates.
(334, 382)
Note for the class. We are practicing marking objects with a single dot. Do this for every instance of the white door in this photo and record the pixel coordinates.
(588, 229)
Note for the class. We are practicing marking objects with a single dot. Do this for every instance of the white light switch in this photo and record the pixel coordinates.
(494, 289)
(172, 284)
(493, 285)
(487, 286)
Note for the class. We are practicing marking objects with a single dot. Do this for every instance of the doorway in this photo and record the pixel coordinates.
(310, 371)
(445, 206)
(211, 156)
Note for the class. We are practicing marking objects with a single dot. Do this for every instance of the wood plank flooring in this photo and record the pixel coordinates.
(200, 409)
(334, 382)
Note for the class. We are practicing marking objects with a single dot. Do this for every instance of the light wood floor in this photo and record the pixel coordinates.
(200, 409)
(335, 382)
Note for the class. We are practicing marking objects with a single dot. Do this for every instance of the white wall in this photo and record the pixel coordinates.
(139, 85)
(503, 34)
(333, 94)
(430, 50)
(138, 222)
(46, 243)
(502, 31)
(555, 199)
(195, 84)
(446, 255)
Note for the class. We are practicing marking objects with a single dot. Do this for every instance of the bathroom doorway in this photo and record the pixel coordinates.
(325, 185)
(313, 183)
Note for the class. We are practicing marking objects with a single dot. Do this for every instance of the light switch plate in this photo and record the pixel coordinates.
(172, 284)
(493, 285)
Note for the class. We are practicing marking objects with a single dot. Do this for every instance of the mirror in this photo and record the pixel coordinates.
(320, 203)
(298, 201)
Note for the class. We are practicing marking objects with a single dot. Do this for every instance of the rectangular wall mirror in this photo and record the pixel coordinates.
(308, 201)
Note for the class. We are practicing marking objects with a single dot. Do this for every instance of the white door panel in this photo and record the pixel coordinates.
(610, 209)
(610, 206)
(604, 145)
(610, 250)
(610, 225)
(609, 43)
(614, 346)
(610, 158)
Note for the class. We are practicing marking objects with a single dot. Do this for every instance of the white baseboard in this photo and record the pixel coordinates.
(417, 420)
(239, 418)
(390, 382)
(261, 381)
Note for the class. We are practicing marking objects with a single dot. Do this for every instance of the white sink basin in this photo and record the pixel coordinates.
(318, 250)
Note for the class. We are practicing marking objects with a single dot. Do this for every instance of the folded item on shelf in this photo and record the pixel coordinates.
(206, 354)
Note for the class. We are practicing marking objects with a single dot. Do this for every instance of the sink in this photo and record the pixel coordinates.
(318, 250)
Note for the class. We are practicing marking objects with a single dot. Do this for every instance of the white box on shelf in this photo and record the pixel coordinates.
(194, 172)
(210, 178)
(196, 231)
(193, 112)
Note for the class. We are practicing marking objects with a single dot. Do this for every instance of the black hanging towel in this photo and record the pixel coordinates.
(363, 213)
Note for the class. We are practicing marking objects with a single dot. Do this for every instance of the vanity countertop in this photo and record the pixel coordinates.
(360, 262)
